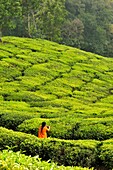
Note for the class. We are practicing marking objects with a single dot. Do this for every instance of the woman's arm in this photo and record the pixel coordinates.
(48, 128)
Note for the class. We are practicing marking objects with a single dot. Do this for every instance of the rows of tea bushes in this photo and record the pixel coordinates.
(65, 152)
(71, 126)
(84, 153)
(38, 71)
(65, 128)
(10, 160)
(70, 89)
(12, 120)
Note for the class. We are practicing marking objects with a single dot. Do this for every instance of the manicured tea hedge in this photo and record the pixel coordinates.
(69, 153)
(12, 120)
(72, 128)
(59, 127)
(59, 82)
(15, 160)
(84, 153)
(106, 154)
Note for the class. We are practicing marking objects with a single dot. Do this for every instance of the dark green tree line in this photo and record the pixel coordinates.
(10, 11)
(96, 17)
(85, 24)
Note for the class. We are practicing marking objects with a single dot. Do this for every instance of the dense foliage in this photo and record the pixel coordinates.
(85, 153)
(70, 89)
(68, 153)
(16, 160)
(84, 24)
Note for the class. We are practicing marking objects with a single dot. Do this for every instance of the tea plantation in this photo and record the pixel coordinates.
(70, 89)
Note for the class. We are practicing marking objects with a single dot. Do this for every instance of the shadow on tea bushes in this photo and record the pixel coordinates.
(18, 161)
(68, 153)
(65, 128)
(59, 128)
(12, 120)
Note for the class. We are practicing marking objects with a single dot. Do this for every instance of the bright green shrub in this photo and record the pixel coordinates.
(4, 54)
(11, 48)
(108, 99)
(60, 128)
(97, 132)
(108, 112)
(7, 88)
(56, 66)
(29, 96)
(62, 104)
(100, 65)
(40, 70)
(106, 154)
(86, 96)
(31, 83)
(31, 126)
(16, 160)
(48, 111)
(8, 72)
(57, 88)
(69, 153)
(73, 55)
(16, 107)
(93, 128)
(28, 57)
(12, 119)
(1, 98)
(72, 128)
(72, 81)
(14, 62)
(39, 57)
(25, 96)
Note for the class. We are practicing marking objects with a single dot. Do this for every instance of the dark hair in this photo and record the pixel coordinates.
(43, 124)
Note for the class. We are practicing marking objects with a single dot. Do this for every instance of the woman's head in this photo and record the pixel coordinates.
(43, 124)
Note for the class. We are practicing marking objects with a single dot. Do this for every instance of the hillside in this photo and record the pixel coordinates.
(70, 89)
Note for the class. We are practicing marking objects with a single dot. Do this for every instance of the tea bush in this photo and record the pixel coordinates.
(69, 88)
(16, 160)
(31, 126)
(60, 128)
(47, 111)
(106, 154)
(57, 70)
(8, 72)
(68, 153)
(4, 54)
(10, 47)
(31, 83)
(14, 62)
(72, 128)
(15, 106)
(11, 120)
(40, 70)
(57, 87)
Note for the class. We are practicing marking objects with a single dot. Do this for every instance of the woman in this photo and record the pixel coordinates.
(42, 132)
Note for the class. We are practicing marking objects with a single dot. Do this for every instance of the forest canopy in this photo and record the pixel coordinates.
(85, 24)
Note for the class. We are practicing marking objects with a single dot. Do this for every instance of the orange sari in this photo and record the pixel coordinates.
(42, 133)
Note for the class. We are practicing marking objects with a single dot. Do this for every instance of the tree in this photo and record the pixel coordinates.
(10, 10)
(74, 8)
(96, 18)
(29, 17)
(51, 16)
(72, 33)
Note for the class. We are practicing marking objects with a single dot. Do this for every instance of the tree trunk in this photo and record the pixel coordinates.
(0, 35)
